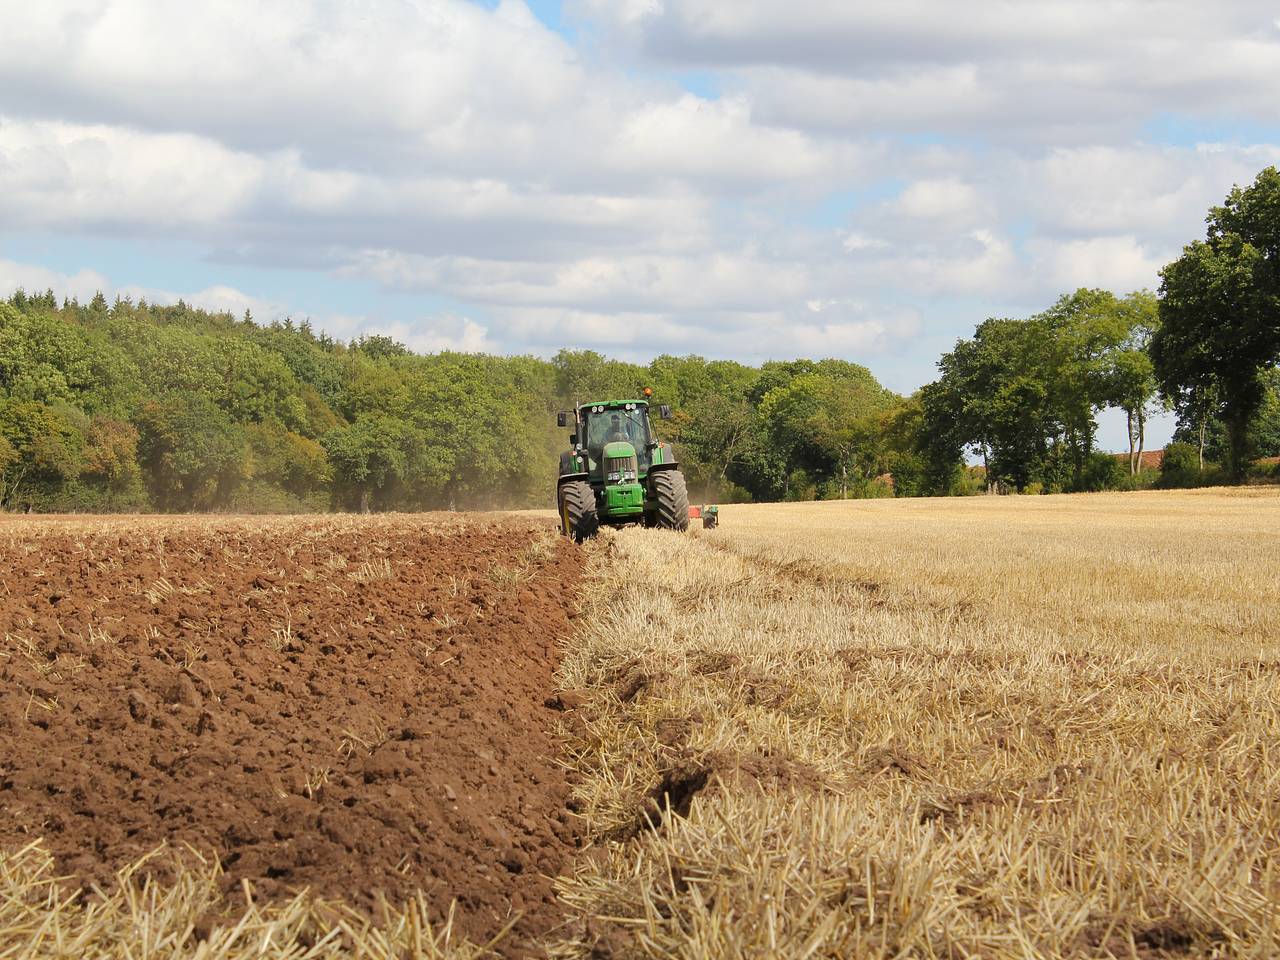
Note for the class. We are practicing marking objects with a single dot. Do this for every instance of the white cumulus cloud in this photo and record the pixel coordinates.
(867, 179)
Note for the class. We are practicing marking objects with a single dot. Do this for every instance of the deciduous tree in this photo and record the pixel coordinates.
(1220, 313)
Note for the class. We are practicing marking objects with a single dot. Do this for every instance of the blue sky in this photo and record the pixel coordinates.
(756, 179)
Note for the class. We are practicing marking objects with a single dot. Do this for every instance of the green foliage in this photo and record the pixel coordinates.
(378, 347)
(583, 375)
(1103, 472)
(1265, 472)
(482, 431)
(372, 459)
(1023, 395)
(111, 476)
(828, 422)
(1131, 374)
(901, 435)
(193, 454)
(1264, 429)
(44, 451)
(314, 361)
(257, 385)
(994, 395)
(1181, 466)
(817, 430)
(1263, 436)
(8, 455)
(1220, 317)
(370, 386)
(288, 461)
(688, 381)
(42, 359)
(1142, 480)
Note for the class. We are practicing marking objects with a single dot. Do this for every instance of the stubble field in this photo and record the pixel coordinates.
(1013, 727)
(995, 727)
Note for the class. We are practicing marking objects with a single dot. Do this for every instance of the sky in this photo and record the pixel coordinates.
(742, 179)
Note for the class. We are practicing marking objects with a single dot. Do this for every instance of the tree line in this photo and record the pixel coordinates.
(1022, 395)
(139, 406)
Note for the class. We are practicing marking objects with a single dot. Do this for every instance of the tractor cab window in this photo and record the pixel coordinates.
(613, 424)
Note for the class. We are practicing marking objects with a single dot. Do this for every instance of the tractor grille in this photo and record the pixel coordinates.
(620, 469)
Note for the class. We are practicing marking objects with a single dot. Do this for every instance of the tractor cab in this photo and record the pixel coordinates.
(605, 430)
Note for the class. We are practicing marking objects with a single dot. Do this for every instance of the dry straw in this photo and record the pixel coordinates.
(185, 916)
(1032, 727)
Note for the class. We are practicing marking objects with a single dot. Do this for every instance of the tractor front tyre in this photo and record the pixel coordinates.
(578, 517)
(671, 500)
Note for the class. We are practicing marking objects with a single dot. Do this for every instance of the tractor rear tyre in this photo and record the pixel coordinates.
(672, 500)
(578, 517)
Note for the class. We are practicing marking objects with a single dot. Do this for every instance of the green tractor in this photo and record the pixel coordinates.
(618, 472)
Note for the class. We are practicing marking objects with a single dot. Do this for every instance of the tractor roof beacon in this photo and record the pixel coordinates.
(617, 472)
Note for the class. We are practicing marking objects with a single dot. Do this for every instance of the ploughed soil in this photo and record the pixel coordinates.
(354, 705)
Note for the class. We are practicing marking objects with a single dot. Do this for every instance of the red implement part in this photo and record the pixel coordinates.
(695, 513)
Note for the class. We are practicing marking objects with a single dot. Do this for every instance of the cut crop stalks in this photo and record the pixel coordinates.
(42, 916)
(1003, 728)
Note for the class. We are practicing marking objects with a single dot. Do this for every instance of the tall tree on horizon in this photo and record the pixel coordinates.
(1131, 372)
(1220, 314)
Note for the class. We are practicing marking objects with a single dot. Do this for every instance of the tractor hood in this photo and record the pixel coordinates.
(618, 450)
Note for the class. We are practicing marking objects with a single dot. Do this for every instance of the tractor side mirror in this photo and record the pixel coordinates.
(664, 412)
(573, 438)
(562, 419)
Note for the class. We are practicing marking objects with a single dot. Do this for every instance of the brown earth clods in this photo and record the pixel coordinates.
(352, 705)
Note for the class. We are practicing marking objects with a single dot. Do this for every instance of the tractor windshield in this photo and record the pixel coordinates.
(611, 424)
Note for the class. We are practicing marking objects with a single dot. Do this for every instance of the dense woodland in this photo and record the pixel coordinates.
(137, 406)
